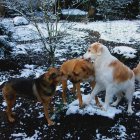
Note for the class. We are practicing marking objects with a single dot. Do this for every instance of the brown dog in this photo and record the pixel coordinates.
(77, 70)
(42, 89)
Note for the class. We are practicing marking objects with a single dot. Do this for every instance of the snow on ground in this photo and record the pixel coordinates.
(137, 94)
(73, 12)
(120, 129)
(91, 108)
(122, 31)
(125, 51)
(119, 31)
(25, 33)
(30, 70)
(19, 20)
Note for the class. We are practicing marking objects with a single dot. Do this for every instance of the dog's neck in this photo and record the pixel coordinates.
(45, 87)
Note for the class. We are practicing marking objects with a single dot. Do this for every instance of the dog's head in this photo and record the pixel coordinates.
(52, 76)
(82, 71)
(93, 51)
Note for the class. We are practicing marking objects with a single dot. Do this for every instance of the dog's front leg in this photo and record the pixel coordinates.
(79, 95)
(94, 93)
(46, 110)
(64, 87)
(10, 99)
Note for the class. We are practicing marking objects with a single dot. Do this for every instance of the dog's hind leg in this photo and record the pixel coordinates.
(119, 97)
(129, 97)
(64, 87)
(10, 99)
(79, 95)
(110, 92)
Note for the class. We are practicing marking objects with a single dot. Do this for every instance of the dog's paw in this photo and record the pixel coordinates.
(82, 106)
(11, 120)
(130, 111)
(13, 113)
(104, 108)
(65, 104)
(72, 90)
(50, 123)
(114, 104)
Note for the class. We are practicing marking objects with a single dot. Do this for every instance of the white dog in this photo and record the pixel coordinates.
(111, 75)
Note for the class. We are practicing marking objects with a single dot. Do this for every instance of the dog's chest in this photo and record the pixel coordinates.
(103, 73)
(47, 90)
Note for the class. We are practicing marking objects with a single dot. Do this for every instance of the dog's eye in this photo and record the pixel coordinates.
(88, 50)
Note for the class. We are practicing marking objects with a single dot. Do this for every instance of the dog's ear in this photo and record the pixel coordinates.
(99, 50)
(53, 76)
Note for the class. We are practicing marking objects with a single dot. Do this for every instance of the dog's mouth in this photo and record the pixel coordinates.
(87, 59)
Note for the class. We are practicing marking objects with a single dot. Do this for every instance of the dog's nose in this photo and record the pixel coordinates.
(89, 59)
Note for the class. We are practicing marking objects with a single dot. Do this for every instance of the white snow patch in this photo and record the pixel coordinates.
(1, 82)
(101, 137)
(137, 94)
(31, 70)
(23, 135)
(18, 105)
(122, 131)
(4, 103)
(7, 24)
(29, 32)
(127, 52)
(68, 135)
(138, 114)
(35, 136)
(122, 31)
(25, 33)
(91, 108)
(23, 48)
(19, 20)
(73, 12)
(41, 115)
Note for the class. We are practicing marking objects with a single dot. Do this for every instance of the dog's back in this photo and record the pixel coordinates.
(21, 86)
(77, 69)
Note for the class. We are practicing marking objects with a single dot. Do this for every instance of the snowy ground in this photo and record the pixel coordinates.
(31, 123)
